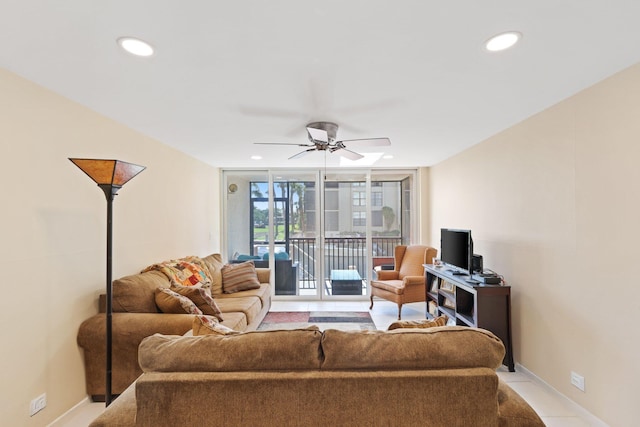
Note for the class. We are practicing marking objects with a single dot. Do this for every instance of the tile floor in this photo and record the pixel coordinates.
(553, 408)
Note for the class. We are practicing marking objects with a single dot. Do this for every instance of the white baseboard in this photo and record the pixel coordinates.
(584, 414)
(60, 420)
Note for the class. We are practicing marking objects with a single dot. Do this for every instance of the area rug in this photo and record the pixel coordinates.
(342, 320)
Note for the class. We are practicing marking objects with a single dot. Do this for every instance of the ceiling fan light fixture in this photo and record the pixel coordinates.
(322, 137)
(135, 46)
(503, 41)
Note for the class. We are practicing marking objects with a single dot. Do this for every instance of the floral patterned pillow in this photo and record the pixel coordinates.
(200, 298)
(169, 301)
(208, 325)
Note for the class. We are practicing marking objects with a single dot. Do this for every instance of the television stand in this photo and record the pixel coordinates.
(458, 273)
(477, 305)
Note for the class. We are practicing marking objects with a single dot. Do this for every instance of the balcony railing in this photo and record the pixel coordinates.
(348, 253)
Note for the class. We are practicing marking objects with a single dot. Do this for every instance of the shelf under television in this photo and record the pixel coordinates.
(468, 320)
(474, 305)
(451, 313)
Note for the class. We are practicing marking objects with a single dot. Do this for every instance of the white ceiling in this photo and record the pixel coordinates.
(227, 74)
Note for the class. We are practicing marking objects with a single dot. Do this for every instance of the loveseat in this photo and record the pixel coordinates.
(136, 315)
(441, 376)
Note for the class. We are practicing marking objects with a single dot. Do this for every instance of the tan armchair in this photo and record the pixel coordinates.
(405, 283)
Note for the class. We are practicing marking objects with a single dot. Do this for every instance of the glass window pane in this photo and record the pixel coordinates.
(376, 218)
(331, 221)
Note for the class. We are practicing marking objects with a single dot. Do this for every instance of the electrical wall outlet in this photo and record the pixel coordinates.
(37, 404)
(577, 380)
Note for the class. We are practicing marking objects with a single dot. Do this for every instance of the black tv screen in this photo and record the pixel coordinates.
(456, 248)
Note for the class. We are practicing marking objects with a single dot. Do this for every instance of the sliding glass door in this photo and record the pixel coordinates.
(346, 218)
(321, 232)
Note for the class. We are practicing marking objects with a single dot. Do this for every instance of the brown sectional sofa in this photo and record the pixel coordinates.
(136, 316)
(406, 377)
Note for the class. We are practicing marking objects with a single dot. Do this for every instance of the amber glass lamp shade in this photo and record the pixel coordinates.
(108, 172)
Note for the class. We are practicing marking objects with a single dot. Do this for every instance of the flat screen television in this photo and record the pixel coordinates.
(456, 250)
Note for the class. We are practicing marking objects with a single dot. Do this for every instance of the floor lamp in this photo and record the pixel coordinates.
(110, 175)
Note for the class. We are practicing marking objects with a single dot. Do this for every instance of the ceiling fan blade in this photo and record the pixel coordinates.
(351, 155)
(249, 110)
(382, 104)
(302, 154)
(318, 134)
(284, 143)
(368, 142)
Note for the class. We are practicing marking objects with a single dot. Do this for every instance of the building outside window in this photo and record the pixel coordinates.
(376, 198)
(359, 198)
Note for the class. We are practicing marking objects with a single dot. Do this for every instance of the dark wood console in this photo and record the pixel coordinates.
(469, 304)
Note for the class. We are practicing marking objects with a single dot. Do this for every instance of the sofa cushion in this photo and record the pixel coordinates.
(291, 350)
(434, 348)
(214, 264)
(239, 277)
(136, 293)
(250, 306)
(235, 320)
(424, 324)
(263, 292)
(200, 298)
(169, 301)
(209, 325)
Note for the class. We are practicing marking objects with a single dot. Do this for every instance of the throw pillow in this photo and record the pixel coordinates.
(426, 323)
(169, 301)
(183, 272)
(200, 298)
(239, 277)
(208, 325)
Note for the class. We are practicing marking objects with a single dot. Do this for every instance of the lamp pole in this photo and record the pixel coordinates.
(110, 192)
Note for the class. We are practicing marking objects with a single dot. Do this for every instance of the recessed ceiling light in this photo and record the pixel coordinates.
(502, 41)
(135, 46)
(387, 156)
(367, 160)
(256, 157)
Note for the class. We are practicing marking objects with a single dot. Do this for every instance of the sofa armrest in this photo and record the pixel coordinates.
(513, 410)
(264, 275)
(121, 413)
(128, 331)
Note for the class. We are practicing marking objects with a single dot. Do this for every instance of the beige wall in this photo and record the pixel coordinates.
(53, 223)
(424, 217)
(553, 204)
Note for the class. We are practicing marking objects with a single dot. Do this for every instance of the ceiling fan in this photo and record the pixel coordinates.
(322, 137)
